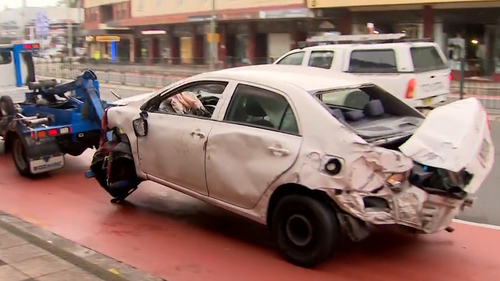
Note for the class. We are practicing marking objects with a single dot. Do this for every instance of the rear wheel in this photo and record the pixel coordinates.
(306, 230)
(20, 159)
(7, 107)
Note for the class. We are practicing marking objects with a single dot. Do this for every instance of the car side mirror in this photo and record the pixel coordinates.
(140, 127)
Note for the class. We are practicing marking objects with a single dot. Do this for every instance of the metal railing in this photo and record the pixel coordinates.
(159, 73)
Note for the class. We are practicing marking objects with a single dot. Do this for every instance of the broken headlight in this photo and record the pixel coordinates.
(397, 181)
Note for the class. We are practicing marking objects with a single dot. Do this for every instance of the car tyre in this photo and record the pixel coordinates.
(20, 158)
(7, 107)
(306, 230)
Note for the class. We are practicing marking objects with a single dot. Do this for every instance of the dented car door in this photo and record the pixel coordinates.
(257, 141)
(173, 151)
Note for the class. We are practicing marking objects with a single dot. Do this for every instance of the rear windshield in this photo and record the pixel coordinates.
(426, 59)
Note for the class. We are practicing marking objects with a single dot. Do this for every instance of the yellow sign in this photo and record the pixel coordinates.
(107, 38)
(209, 37)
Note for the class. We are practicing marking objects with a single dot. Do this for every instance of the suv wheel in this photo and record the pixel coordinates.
(306, 230)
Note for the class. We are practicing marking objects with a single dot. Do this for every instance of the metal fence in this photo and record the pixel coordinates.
(160, 74)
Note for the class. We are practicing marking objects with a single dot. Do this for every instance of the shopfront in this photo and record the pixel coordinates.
(114, 47)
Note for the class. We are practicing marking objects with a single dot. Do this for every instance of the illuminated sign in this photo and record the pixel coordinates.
(107, 38)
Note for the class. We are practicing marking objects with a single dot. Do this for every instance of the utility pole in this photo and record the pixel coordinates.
(22, 36)
(213, 42)
(69, 26)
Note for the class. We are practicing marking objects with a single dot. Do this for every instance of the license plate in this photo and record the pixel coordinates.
(48, 164)
(427, 101)
(484, 153)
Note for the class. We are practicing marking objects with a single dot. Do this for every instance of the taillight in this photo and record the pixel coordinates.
(50, 133)
(410, 90)
(450, 77)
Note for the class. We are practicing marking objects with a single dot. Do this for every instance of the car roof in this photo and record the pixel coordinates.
(310, 79)
(366, 46)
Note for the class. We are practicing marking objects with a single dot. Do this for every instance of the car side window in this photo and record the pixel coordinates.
(195, 99)
(292, 59)
(373, 61)
(321, 59)
(5, 57)
(258, 107)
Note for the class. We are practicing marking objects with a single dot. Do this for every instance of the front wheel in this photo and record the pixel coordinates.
(306, 230)
(20, 159)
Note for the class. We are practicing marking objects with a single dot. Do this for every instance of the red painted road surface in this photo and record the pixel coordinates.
(182, 239)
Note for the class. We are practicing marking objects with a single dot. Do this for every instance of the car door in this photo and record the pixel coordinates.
(256, 142)
(173, 150)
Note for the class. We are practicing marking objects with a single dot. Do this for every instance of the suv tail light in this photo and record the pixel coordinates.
(410, 90)
(450, 77)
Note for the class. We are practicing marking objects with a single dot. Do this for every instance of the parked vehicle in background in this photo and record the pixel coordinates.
(314, 156)
(413, 70)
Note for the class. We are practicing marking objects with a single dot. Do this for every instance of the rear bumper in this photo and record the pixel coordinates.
(433, 101)
(412, 207)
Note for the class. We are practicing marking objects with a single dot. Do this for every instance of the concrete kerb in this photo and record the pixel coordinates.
(89, 260)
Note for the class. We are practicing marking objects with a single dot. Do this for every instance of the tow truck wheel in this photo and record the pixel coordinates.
(306, 230)
(20, 159)
(7, 107)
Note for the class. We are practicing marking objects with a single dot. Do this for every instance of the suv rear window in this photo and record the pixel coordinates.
(426, 59)
(373, 61)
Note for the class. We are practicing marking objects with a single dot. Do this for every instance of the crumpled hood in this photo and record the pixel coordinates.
(126, 101)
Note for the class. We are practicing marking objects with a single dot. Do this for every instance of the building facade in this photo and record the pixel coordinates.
(178, 31)
(257, 31)
(466, 30)
(103, 41)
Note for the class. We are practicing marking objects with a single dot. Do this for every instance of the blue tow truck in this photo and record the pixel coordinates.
(53, 120)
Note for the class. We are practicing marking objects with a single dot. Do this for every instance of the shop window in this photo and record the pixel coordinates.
(373, 61)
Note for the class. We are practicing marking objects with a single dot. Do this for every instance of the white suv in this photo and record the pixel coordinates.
(416, 72)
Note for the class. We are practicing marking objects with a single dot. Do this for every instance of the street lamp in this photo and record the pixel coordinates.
(213, 43)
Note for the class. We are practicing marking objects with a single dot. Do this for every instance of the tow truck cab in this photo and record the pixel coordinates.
(16, 64)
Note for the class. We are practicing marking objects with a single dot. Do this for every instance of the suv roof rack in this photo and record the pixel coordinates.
(334, 39)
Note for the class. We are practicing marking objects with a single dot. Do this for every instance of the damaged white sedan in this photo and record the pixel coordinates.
(311, 154)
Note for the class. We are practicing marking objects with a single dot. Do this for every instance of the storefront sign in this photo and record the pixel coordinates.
(107, 38)
(89, 38)
(289, 13)
(199, 18)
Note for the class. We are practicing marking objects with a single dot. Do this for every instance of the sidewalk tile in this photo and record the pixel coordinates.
(8, 240)
(20, 253)
(42, 265)
(70, 274)
(8, 273)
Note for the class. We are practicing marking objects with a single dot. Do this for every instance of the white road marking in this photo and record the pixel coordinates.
(482, 225)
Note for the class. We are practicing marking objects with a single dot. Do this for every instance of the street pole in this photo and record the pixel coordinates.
(70, 32)
(213, 43)
(22, 36)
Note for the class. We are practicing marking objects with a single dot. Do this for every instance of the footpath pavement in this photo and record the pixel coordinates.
(29, 253)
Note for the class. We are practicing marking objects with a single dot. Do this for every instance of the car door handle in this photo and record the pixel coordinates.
(199, 134)
(279, 151)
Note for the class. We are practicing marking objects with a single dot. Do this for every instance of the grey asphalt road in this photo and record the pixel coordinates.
(486, 208)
